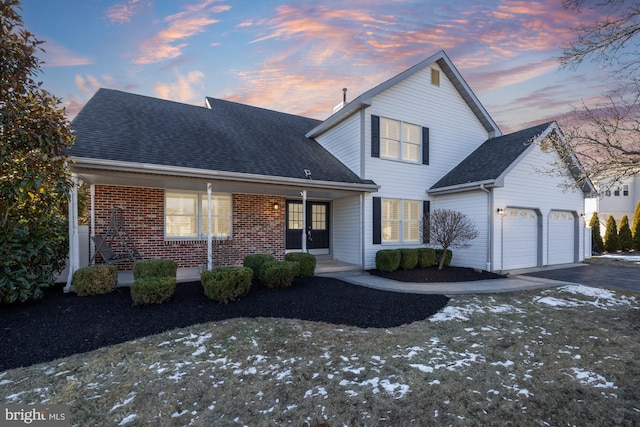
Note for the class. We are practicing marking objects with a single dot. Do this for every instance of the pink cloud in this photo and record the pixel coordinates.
(56, 55)
(121, 13)
(169, 42)
(186, 88)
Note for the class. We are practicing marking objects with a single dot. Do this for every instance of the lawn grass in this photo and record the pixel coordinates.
(565, 356)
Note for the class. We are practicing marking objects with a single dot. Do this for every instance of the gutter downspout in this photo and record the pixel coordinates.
(74, 241)
(209, 236)
(489, 225)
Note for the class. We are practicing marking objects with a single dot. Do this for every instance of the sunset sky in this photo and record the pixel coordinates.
(296, 56)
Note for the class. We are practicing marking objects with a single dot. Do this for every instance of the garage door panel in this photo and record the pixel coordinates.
(561, 245)
(520, 234)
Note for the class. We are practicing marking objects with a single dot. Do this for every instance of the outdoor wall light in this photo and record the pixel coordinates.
(276, 206)
(500, 211)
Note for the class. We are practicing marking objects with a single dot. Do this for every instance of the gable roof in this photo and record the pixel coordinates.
(490, 162)
(119, 127)
(449, 70)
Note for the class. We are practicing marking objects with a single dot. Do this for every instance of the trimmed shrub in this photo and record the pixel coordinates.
(388, 259)
(597, 246)
(255, 262)
(95, 280)
(624, 234)
(224, 284)
(154, 268)
(306, 263)
(408, 259)
(635, 228)
(447, 259)
(611, 240)
(426, 257)
(278, 274)
(152, 290)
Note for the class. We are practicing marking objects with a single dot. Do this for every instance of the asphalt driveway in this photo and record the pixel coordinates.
(604, 276)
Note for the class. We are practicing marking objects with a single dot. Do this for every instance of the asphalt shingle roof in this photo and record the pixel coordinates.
(492, 158)
(229, 137)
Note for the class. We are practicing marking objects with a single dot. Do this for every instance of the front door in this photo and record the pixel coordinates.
(317, 234)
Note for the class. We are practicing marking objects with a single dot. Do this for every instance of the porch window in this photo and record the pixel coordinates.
(186, 215)
(401, 221)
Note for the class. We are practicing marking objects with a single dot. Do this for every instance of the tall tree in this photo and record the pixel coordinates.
(611, 240)
(34, 178)
(606, 136)
(624, 234)
(635, 228)
(597, 246)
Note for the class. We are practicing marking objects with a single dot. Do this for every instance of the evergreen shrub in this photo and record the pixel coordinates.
(95, 280)
(447, 259)
(154, 268)
(388, 259)
(278, 274)
(224, 284)
(255, 262)
(152, 290)
(306, 263)
(408, 259)
(426, 257)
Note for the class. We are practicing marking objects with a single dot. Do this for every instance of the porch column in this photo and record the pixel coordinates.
(209, 237)
(74, 242)
(304, 220)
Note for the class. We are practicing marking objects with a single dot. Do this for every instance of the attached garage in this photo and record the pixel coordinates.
(562, 245)
(521, 238)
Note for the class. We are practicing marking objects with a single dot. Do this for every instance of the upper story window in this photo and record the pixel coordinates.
(616, 191)
(435, 77)
(625, 190)
(186, 215)
(399, 140)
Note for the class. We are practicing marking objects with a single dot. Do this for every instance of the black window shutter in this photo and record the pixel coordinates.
(377, 220)
(426, 210)
(425, 146)
(375, 136)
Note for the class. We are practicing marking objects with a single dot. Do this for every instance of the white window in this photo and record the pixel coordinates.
(186, 215)
(435, 77)
(399, 140)
(401, 221)
(625, 190)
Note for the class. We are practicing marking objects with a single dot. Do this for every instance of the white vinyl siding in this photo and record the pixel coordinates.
(346, 230)
(401, 221)
(399, 140)
(186, 215)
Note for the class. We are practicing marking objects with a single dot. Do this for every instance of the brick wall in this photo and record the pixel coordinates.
(257, 227)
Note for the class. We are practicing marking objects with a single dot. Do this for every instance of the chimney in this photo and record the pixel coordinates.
(343, 103)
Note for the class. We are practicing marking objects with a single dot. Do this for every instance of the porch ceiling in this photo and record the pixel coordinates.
(315, 189)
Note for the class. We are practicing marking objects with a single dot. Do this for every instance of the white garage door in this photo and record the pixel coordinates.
(520, 228)
(562, 237)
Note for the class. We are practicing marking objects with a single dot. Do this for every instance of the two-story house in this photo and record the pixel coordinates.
(343, 188)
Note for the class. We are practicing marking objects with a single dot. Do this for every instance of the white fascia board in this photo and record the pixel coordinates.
(148, 168)
(341, 115)
(467, 186)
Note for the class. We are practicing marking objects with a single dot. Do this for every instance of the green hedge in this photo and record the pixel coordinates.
(408, 259)
(95, 280)
(225, 284)
(278, 274)
(447, 259)
(388, 260)
(154, 268)
(426, 257)
(306, 263)
(152, 290)
(255, 262)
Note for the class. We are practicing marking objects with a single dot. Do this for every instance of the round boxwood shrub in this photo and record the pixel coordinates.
(255, 262)
(408, 259)
(152, 290)
(447, 259)
(154, 268)
(388, 260)
(224, 284)
(95, 279)
(426, 257)
(278, 274)
(306, 263)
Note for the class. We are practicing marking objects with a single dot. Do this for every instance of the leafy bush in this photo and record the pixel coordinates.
(388, 259)
(154, 268)
(426, 257)
(408, 259)
(255, 262)
(95, 280)
(306, 263)
(278, 274)
(152, 290)
(225, 284)
(447, 259)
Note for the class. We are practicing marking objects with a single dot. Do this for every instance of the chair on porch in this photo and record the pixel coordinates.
(104, 249)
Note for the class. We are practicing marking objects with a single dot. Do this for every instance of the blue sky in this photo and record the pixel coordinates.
(296, 56)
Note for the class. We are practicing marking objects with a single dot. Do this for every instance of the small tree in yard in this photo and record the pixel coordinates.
(597, 245)
(635, 228)
(624, 234)
(611, 239)
(450, 229)
(34, 179)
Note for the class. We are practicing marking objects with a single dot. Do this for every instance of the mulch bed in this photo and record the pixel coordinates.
(65, 324)
(433, 275)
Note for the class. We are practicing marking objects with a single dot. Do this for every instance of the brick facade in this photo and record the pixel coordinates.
(257, 227)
